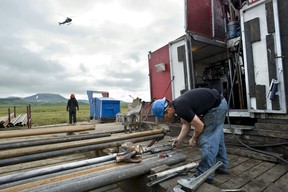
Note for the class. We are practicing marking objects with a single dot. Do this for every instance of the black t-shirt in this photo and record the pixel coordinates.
(196, 101)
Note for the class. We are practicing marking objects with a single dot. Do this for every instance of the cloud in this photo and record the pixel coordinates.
(104, 48)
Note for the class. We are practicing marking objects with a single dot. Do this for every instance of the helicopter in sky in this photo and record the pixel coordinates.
(67, 21)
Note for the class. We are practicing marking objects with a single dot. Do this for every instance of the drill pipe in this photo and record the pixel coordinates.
(27, 184)
(57, 175)
(17, 144)
(43, 131)
(46, 170)
(109, 176)
(38, 156)
(44, 148)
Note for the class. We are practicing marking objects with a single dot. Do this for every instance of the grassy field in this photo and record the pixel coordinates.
(51, 114)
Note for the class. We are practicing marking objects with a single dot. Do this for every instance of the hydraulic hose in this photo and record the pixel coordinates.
(264, 145)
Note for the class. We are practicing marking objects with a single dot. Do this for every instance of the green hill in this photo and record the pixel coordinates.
(39, 99)
(44, 98)
(12, 100)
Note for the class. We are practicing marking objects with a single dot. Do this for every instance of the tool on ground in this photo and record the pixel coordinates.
(232, 190)
(163, 155)
(164, 175)
(129, 153)
(168, 176)
(152, 142)
(158, 149)
(191, 184)
(166, 172)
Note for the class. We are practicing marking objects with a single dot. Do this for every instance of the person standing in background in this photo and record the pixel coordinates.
(72, 106)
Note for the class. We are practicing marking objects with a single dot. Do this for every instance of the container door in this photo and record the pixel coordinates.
(179, 67)
(263, 57)
(159, 73)
(205, 18)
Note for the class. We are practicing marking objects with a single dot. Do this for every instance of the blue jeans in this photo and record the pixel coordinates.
(211, 140)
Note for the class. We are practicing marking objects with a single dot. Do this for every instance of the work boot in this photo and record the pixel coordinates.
(221, 172)
(209, 180)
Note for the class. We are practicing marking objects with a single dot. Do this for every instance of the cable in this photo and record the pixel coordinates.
(168, 86)
(261, 146)
(228, 118)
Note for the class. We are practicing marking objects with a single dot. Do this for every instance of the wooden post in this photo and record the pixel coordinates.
(9, 119)
(14, 111)
(29, 119)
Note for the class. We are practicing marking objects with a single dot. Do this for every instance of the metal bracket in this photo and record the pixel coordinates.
(191, 184)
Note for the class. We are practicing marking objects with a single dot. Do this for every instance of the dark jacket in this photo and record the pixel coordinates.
(72, 105)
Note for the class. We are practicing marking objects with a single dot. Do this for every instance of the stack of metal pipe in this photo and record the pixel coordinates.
(81, 175)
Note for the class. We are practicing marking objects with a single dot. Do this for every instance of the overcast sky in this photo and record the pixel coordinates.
(104, 49)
